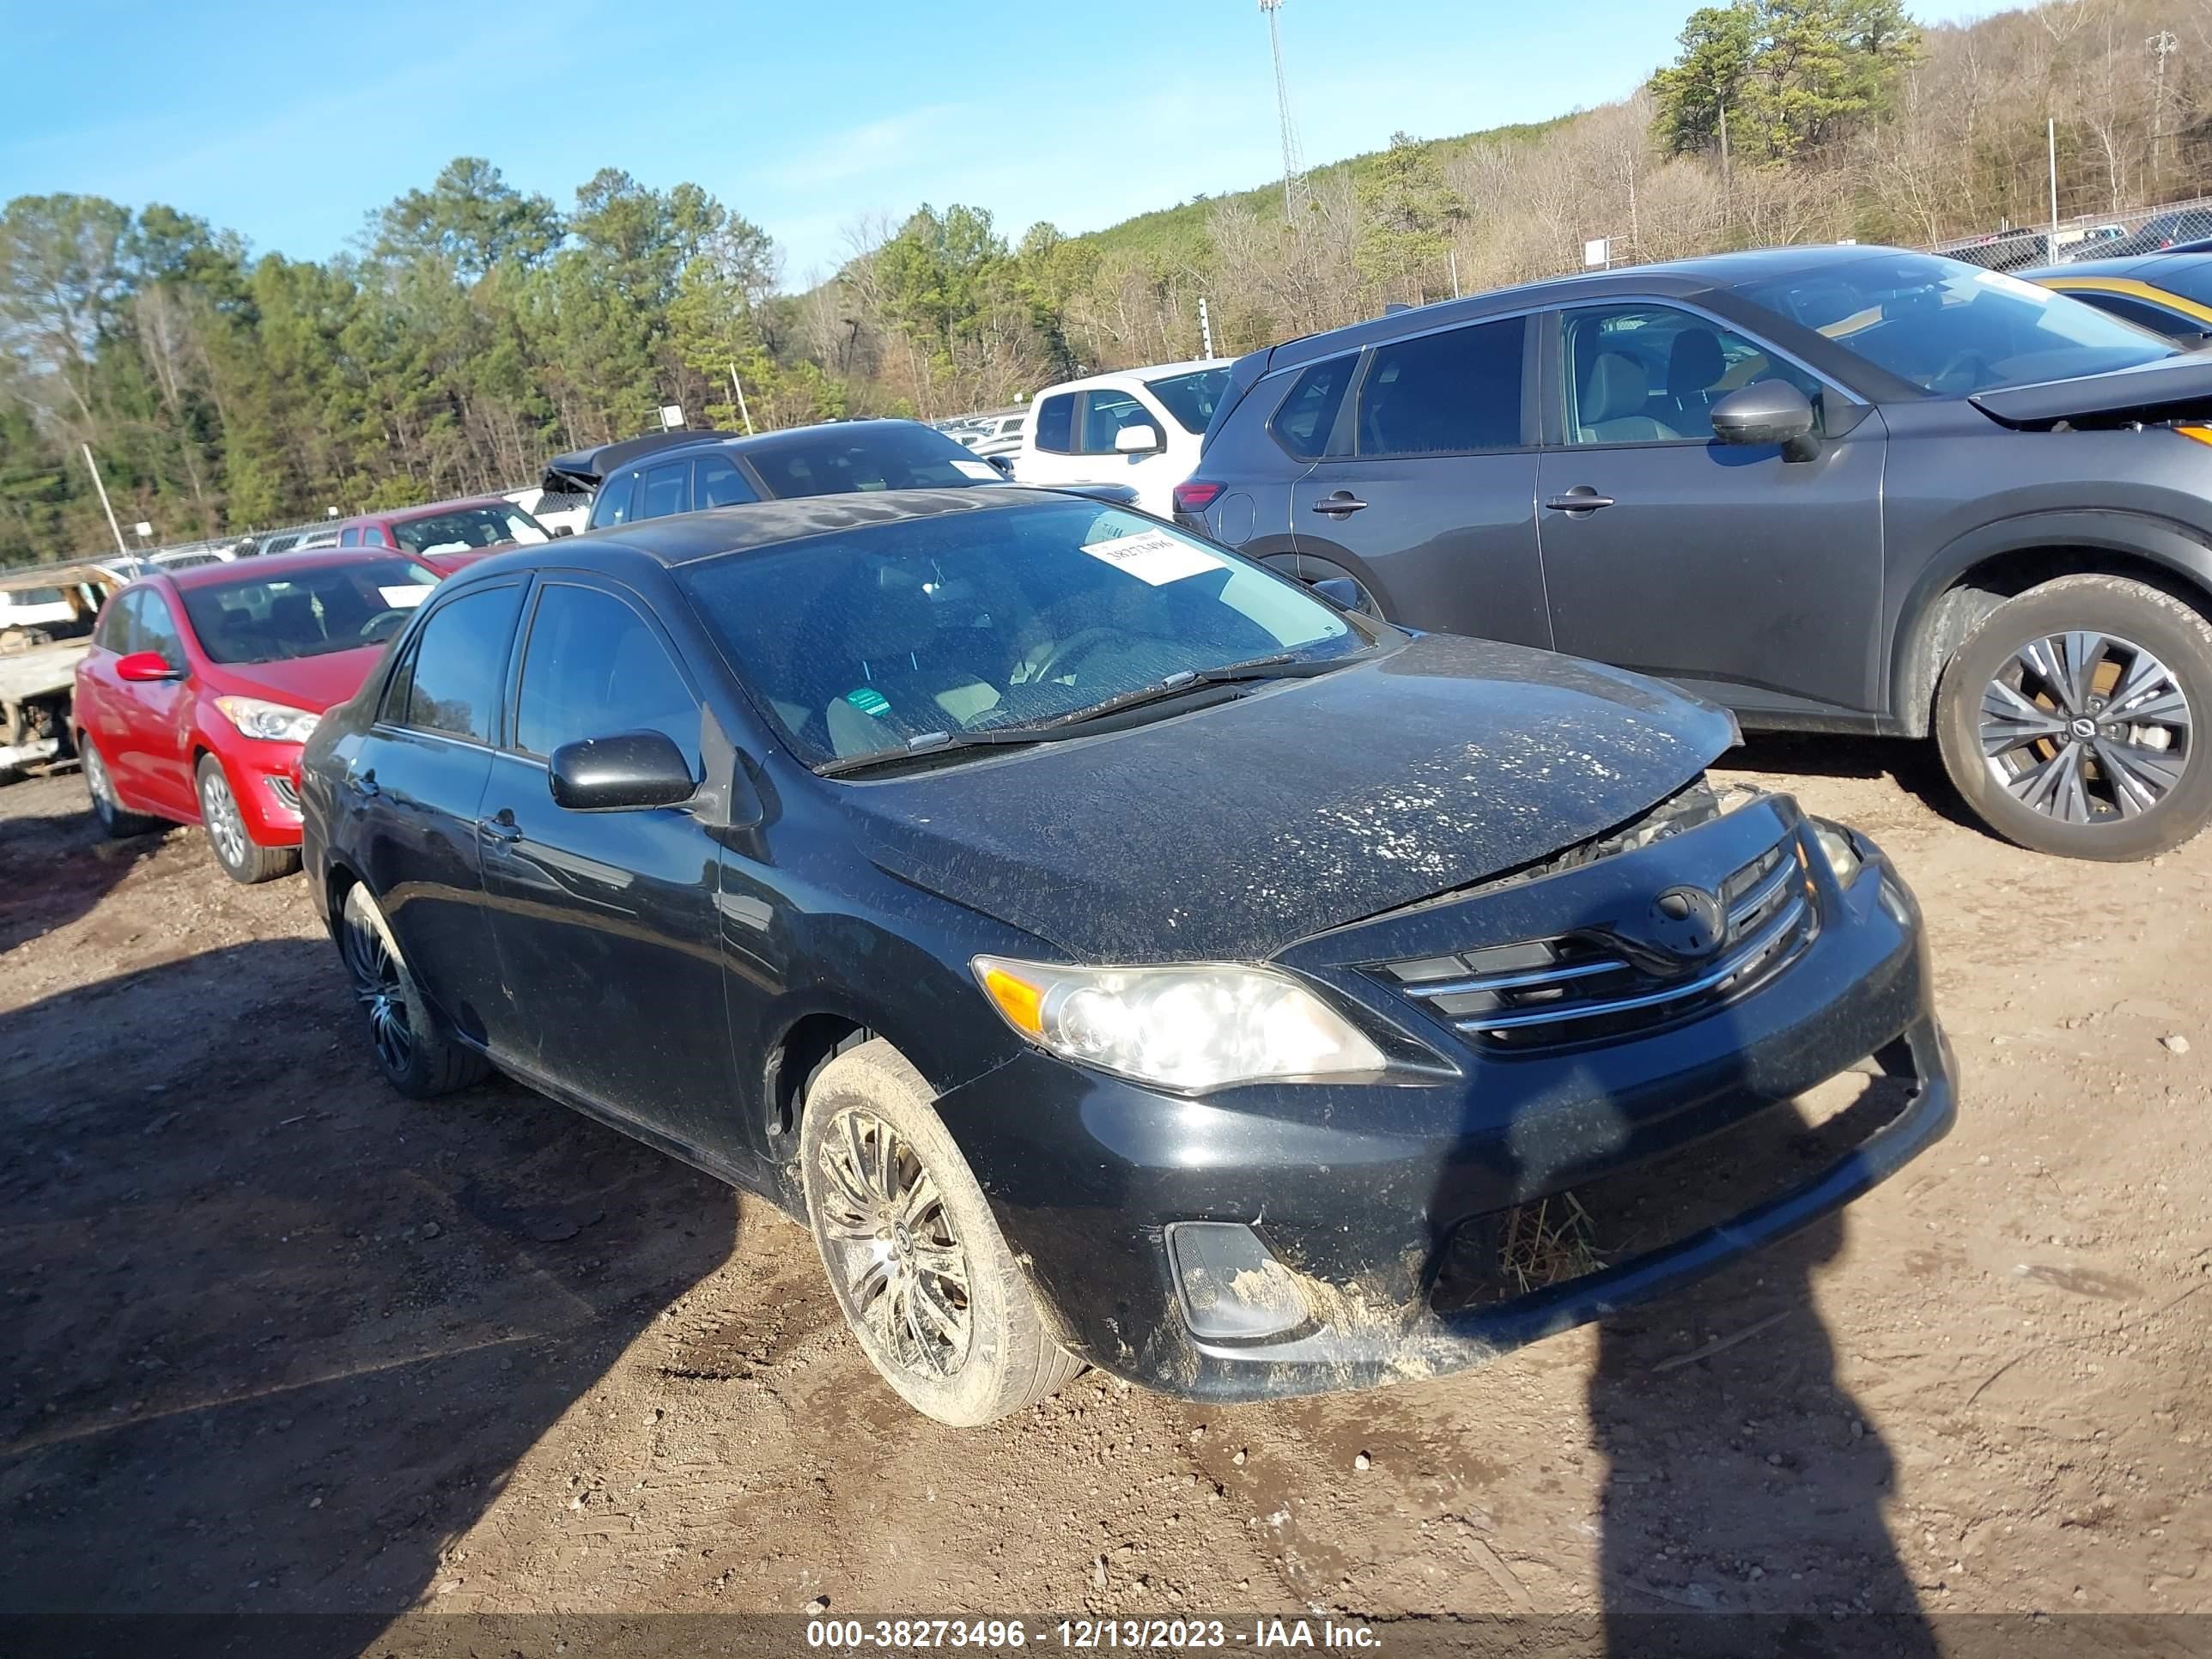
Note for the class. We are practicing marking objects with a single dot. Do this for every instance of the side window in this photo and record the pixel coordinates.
(666, 488)
(1445, 393)
(2167, 325)
(350, 536)
(1307, 414)
(373, 535)
(715, 482)
(1056, 424)
(1105, 414)
(1652, 374)
(610, 504)
(594, 667)
(459, 659)
(157, 628)
(118, 624)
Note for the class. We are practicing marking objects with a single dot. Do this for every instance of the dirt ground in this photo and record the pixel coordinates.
(278, 1340)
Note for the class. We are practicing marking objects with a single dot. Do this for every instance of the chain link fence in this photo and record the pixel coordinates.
(2088, 236)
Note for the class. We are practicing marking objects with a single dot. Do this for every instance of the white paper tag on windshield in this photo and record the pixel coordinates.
(982, 469)
(1154, 556)
(407, 598)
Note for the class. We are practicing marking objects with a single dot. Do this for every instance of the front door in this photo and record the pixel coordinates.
(417, 782)
(1728, 569)
(606, 921)
(1425, 493)
(158, 764)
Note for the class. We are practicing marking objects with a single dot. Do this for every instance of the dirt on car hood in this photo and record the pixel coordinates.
(1232, 831)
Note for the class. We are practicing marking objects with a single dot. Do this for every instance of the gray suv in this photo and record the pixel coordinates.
(1836, 489)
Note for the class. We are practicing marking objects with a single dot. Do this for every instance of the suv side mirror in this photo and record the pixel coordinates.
(560, 530)
(628, 770)
(1768, 412)
(1142, 439)
(1342, 592)
(142, 665)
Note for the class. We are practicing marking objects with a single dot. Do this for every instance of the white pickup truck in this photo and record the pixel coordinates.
(39, 658)
(1138, 426)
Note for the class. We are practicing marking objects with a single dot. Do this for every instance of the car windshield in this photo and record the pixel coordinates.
(306, 613)
(1191, 397)
(460, 529)
(1954, 329)
(858, 643)
(837, 460)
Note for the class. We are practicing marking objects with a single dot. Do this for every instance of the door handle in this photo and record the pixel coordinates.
(501, 831)
(1340, 505)
(1579, 502)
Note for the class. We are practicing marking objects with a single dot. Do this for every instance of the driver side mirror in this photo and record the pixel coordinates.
(1768, 412)
(1142, 439)
(621, 773)
(560, 530)
(141, 666)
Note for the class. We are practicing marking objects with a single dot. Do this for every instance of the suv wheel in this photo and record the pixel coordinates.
(914, 1255)
(2070, 719)
(243, 859)
(416, 1053)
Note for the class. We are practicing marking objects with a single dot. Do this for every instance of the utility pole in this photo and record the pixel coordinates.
(2162, 45)
(115, 529)
(1204, 329)
(2050, 139)
(1293, 166)
(736, 386)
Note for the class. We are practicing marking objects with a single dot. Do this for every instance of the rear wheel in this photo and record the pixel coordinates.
(2071, 719)
(243, 859)
(107, 806)
(914, 1255)
(416, 1054)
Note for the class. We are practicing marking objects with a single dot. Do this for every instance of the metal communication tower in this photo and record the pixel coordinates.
(1293, 166)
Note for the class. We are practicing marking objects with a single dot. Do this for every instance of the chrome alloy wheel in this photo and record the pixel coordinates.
(226, 824)
(377, 983)
(898, 1265)
(101, 787)
(2086, 727)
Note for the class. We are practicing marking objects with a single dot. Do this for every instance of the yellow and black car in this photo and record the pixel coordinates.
(2170, 293)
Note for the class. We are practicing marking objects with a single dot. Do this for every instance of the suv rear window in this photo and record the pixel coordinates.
(1445, 393)
(1307, 416)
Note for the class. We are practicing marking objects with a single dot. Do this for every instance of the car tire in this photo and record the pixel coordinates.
(2024, 719)
(901, 1223)
(418, 1055)
(115, 821)
(243, 859)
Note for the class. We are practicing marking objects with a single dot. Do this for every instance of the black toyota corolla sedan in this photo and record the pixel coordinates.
(1115, 954)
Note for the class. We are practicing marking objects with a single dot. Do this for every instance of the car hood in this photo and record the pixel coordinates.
(310, 682)
(1233, 831)
(2168, 389)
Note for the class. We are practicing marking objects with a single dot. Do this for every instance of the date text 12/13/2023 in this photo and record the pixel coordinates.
(990, 1635)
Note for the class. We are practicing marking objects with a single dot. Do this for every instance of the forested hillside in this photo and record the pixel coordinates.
(476, 328)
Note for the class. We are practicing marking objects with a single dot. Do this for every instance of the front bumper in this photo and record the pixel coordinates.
(1360, 1189)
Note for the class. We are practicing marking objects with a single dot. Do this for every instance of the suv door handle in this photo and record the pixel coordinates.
(1340, 505)
(503, 830)
(1579, 500)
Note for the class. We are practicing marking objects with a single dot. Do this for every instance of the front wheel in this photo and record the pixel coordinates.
(914, 1255)
(2069, 718)
(243, 859)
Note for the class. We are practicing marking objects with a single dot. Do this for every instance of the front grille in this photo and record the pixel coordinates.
(1586, 986)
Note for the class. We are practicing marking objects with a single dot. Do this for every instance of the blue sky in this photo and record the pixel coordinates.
(290, 123)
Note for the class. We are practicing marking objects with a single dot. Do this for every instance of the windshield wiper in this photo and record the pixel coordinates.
(927, 745)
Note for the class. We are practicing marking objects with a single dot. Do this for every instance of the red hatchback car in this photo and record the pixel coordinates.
(450, 533)
(202, 684)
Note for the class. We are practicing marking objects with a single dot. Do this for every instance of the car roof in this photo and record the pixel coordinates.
(2129, 265)
(767, 443)
(273, 566)
(1142, 371)
(684, 539)
(405, 514)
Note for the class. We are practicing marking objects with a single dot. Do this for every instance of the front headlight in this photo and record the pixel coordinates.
(1200, 1025)
(1842, 858)
(272, 722)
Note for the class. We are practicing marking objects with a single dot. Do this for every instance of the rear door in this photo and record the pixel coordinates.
(606, 923)
(1751, 579)
(155, 766)
(1426, 490)
(417, 780)
(716, 482)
